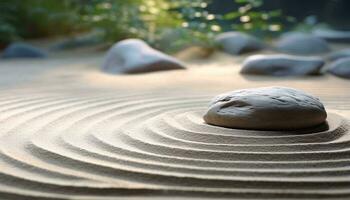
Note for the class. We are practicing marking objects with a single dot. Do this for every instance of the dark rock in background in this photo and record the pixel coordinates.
(339, 54)
(340, 67)
(237, 43)
(333, 35)
(135, 56)
(301, 44)
(282, 65)
(23, 50)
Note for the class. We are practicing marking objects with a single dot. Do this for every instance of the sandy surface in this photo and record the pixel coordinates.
(69, 131)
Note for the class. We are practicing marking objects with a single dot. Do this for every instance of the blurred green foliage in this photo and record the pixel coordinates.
(166, 24)
(250, 18)
(120, 19)
(36, 18)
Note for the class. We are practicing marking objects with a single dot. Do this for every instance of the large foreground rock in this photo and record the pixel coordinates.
(135, 56)
(23, 50)
(339, 54)
(302, 43)
(282, 65)
(268, 108)
(237, 43)
(340, 68)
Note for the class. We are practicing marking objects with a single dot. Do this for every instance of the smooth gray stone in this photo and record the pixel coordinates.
(236, 43)
(340, 67)
(339, 54)
(267, 108)
(301, 43)
(333, 35)
(135, 56)
(282, 65)
(23, 50)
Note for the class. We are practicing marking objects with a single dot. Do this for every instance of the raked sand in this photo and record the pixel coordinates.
(69, 131)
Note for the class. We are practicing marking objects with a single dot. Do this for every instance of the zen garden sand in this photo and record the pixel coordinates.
(69, 130)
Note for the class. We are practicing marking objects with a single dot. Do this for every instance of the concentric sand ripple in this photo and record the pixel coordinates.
(92, 146)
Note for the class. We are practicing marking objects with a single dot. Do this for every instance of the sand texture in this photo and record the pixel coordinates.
(70, 131)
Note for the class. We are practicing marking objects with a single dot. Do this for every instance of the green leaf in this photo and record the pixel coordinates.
(232, 15)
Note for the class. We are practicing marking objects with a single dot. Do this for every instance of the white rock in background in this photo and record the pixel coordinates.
(267, 108)
(135, 56)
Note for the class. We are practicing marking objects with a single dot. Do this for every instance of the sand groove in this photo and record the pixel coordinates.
(99, 146)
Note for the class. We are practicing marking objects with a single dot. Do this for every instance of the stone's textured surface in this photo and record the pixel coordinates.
(332, 35)
(340, 68)
(237, 43)
(23, 50)
(135, 56)
(339, 54)
(269, 108)
(282, 65)
(301, 43)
